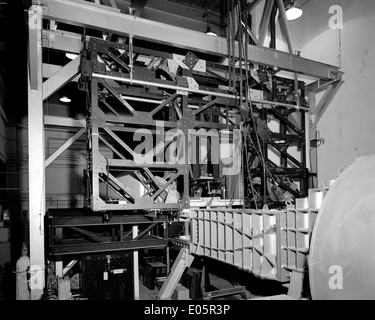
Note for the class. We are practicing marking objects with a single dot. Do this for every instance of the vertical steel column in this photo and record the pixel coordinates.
(36, 152)
(136, 266)
(304, 152)
(273, 27)
(94, 146)
(186, 125)
(312, 159)
(264, 147)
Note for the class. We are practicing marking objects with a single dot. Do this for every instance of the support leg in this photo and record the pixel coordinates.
(36, 154)
(136, 266)
(183, 261)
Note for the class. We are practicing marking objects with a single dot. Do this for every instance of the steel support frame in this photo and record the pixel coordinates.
(125, 25)
(137, 238)
(98, 167)
(106, 119)
(317, 110)
(290, 134)
(37, 93)
(66, 11)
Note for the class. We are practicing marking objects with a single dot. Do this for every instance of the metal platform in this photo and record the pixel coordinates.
(80, 231)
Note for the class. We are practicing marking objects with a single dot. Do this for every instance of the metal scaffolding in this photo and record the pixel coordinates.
(134, 88)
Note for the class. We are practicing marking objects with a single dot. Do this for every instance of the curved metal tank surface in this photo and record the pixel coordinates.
(343, 238)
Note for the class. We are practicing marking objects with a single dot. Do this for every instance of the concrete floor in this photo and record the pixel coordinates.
(224, 276)
(218, 282)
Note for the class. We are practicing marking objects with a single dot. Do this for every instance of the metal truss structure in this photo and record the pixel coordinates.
(133, 89)
(277, 181)
(143, 99)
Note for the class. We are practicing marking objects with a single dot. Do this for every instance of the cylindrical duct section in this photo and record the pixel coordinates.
(342, 254)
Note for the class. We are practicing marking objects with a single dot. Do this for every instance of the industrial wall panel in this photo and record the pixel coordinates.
(269, 244)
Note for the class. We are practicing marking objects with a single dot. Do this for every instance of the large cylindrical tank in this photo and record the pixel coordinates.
(342, 253)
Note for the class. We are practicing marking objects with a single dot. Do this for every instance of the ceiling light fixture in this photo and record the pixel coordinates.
(209, 31)
(293, 12)
(65, 99)
(71, 56)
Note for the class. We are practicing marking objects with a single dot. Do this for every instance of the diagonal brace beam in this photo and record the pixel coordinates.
(145, 231)
(111, 147)
(201, 109)
(90, 234)
(162, 188)
(284, 25)
(326, 100)
(291, 158)
(65, 146)
(163, 104)
(118, 97)
(118, 140)
(119, 184)
(265, 21)
(183, 261)
(60, 78)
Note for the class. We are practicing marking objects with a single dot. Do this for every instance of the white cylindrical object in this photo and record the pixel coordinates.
(315, 199)
(341, 259)
(302, 203)
(22, 288)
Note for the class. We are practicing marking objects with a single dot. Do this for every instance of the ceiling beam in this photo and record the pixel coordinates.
(178, 21)
(123, 24)
(184, 11)
(168, 7)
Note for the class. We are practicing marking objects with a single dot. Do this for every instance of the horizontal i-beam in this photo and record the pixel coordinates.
(122, 24)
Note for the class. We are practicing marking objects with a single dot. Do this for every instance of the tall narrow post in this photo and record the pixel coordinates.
(136, 266)
(36, 153)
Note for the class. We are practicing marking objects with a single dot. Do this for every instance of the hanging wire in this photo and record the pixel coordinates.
(247, 110)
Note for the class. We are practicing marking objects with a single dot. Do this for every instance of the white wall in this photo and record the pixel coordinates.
(348, 126)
